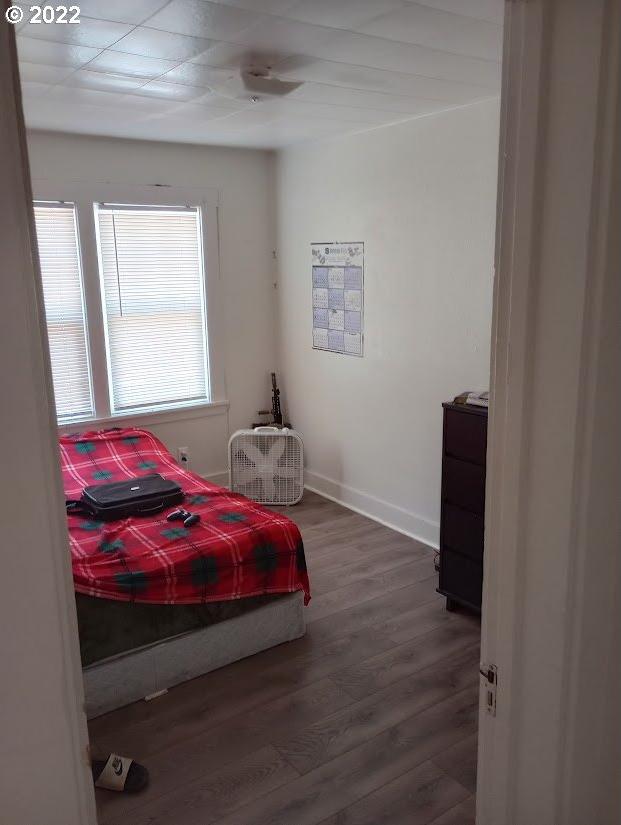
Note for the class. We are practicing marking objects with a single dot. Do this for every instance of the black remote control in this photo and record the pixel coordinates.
(177, 515)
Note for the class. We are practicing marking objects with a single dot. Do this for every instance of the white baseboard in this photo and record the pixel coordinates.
(397, 518)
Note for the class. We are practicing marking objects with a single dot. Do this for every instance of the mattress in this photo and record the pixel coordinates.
(238, 549)
(108, 628)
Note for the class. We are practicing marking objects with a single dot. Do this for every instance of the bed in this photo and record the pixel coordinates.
(159, 603)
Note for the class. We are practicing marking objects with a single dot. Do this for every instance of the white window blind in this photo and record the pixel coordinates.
(151, 271)
(64, 309)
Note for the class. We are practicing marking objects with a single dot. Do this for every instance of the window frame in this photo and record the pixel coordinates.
(68, 420)
(84, 196)
(162, 406)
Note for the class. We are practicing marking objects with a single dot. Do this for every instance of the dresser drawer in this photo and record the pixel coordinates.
(461, 578)
(462, 530)
(463, 484)
(465, 436)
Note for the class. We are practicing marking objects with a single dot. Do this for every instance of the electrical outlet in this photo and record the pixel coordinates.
(183, 456)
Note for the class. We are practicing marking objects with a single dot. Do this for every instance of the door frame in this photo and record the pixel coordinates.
(44, 749)
(555, 262)
(513, 301)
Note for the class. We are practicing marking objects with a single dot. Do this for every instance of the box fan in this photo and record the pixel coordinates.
(267, 465)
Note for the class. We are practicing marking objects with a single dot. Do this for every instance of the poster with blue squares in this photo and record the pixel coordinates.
(338, 306)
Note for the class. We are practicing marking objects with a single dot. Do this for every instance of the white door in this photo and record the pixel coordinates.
(552, 590)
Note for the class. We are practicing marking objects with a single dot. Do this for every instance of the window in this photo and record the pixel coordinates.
(125, 296)
(154, 309)
(64, 309)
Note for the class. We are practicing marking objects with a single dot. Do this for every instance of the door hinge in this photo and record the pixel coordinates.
(490, 674)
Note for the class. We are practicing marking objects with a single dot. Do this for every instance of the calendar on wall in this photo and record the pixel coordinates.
(338, 287)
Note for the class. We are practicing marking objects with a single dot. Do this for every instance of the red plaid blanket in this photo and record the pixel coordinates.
(238, 548)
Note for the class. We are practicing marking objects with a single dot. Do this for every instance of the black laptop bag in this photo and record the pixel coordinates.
(140, 496)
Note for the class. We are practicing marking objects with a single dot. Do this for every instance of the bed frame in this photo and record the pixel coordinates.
(136, 674)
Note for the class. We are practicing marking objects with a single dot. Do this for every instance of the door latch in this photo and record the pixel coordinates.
(490, 674)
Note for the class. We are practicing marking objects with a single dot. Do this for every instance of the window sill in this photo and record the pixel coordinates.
(142, 419)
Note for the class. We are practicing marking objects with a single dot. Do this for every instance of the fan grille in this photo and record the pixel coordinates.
(267, 467)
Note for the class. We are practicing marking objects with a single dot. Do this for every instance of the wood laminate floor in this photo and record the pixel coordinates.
(370, 719)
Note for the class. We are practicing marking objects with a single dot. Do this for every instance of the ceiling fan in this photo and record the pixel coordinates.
(254, 81)
(261, 82)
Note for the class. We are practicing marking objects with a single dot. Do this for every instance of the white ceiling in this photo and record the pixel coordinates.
(147, 68)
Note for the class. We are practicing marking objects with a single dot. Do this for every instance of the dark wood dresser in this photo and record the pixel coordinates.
(463, 505)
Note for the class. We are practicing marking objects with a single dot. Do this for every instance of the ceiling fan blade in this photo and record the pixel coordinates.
(258, 84)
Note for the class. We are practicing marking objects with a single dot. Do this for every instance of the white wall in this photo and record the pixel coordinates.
(244, 181)
(422, 197)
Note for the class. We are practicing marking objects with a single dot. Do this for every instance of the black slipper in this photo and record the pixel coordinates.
(118, 773)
